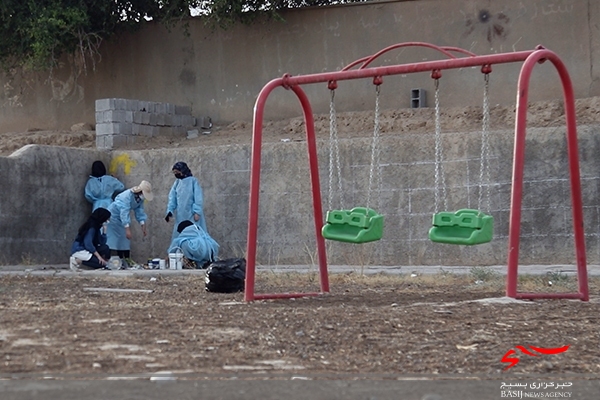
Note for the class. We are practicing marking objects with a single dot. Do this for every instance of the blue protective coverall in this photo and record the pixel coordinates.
(120, 218)
(100, 191)
(185, 200)
(196, 244)
(100, 188)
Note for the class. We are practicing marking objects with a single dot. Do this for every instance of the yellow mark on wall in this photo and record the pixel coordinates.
(122, 160)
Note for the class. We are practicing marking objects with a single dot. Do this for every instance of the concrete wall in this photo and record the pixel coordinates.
(219, 73)
(42, 203)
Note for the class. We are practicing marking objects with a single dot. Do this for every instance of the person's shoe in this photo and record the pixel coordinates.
(74, 264)
(124, 264)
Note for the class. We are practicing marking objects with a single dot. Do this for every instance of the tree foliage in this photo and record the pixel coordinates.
(36, 33)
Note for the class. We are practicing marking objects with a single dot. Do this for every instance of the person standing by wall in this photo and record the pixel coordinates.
(185, 199)
(119, 226)
(89, 247)
(101, 189)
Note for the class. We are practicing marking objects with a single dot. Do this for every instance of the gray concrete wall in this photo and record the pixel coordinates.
(42, 203)
(220, 73)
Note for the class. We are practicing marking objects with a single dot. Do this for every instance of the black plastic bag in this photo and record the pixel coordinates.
(226, 276)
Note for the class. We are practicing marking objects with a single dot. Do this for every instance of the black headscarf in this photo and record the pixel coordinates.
(184, 224)
(183, 168)
(98, 169)
(98, 217)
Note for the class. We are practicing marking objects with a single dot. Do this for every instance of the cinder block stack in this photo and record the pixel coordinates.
(120, 122)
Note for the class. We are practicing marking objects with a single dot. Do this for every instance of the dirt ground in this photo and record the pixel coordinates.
(386, 325)
(350, 124)
(368, 324)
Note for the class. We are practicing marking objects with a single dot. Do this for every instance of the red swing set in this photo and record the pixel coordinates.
(465, 59)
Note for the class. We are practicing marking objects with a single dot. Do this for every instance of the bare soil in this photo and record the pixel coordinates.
(375, 324)
(350, 124)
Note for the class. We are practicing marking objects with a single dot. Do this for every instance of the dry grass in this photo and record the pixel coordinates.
(480, 279)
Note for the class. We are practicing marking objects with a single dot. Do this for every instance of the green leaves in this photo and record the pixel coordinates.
(36, 33)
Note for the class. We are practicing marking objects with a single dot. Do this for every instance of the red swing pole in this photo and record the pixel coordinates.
(540, 56)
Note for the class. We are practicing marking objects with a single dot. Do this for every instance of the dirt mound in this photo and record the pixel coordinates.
(350, 124)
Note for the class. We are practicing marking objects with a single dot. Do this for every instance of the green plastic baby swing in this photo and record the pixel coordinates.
(359, 224)
(465, 226)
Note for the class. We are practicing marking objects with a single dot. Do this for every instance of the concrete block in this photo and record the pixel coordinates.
(165, 131)
(120, 104)
(105, 104)
(176, 120)
(183, 110)
(105, 129)
(136, 129)
(154, 131)
(418, 98)
(192, 134)
(188, 120)
(137, 117)
(146, 130)
(169, 120)
(113, 128)
(161, 108)
(160, 119)
(131, 105)
(153, 120)
(170, 108)
(179, 130)
(128, 117)
(108, 142)
(100, 142)
(204, 122)
(145, 118)
(115, 116)
(117, 140)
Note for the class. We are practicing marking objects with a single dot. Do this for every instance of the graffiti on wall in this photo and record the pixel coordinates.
(492, 26)
(122, 161)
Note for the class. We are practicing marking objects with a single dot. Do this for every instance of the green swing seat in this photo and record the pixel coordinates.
(358, 225)
(466, 226)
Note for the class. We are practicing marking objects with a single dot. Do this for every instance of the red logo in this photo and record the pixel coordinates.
(514, 360)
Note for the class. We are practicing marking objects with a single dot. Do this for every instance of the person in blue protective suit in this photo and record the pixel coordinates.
(185, 199)
(195, 244)
(119, 226)
(89, 247)
(101, 189)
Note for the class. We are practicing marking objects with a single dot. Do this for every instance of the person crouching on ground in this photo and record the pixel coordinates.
(196, 245)
(118, 229)
(89, 247)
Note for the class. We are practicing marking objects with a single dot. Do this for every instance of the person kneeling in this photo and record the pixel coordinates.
(89, 247)
(196, 245)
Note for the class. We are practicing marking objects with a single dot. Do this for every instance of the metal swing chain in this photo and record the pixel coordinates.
(484, 167)
(334, 152)
(439, 161)
(375, 152)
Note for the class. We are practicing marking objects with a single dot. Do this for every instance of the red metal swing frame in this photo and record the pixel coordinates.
(468, 59)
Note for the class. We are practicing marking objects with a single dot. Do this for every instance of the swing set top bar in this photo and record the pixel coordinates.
(347, 73)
